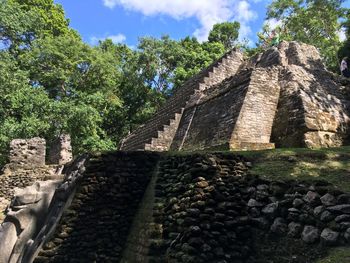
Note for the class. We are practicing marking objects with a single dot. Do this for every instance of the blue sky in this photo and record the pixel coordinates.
(126, 20)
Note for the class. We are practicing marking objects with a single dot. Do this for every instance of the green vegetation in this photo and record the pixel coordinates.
(336, 255)
(331, 165)
(225, 33)
(51, 82)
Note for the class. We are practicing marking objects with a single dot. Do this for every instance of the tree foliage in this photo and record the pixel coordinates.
(344, 51)
(51, 82)
(225, 33)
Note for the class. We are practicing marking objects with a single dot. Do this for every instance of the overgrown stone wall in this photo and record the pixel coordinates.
(210, 210)
(210, 122)
(197, 208)
(96, 225)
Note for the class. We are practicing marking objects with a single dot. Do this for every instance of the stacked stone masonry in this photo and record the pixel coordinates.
(283, 97)
(61, 150)
(197, 208)
(28, 153)
(96, 225)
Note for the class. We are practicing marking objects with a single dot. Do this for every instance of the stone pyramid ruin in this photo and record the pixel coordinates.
(141, 206)
(283, 97)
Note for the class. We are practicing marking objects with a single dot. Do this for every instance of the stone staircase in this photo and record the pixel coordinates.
(157, 134)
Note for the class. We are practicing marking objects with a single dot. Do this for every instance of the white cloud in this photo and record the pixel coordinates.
(207, 12)
(119, 38)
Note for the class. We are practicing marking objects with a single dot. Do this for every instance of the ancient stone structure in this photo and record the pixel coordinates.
(158, 133)
(61, 150)
(96, 225)
(28, 153)
(27, 165)
(34, 213)
(283, 97)
(140, 206)
(196, 208)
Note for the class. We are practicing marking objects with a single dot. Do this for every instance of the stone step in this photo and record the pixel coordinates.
(155, 128)
(251, 146)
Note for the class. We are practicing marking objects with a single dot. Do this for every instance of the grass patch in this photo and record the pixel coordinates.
(337, 255)
(331, 165)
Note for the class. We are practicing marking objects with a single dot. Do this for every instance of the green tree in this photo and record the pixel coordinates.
(195, 56)
(344, 51)
(225, 33)
(23, 21)
(315, 22)
(165, 64)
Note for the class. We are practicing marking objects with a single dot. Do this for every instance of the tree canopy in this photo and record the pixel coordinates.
(225, 33)
(51, 82)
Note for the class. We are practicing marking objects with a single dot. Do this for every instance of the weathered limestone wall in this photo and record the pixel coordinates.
(157, 134)
(27, 165)
(96, 224)
(61, 150)
(209, 123)
(257, 113)
(312, 112)
(28, 153)
(20, 178)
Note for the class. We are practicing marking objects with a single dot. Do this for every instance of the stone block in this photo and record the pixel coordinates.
(28, 152)
(61, 150)
(8, 238)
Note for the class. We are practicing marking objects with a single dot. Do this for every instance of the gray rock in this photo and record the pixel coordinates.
(343, 199)
(294, 229)
(279, 226)
(263, 187)
(312, 198)
(298, 202)
(260, 222)
(310, 234)
(318, 210)
(347, 234)
(342, 218)
(8, 238)
(254, 203)
(329, 237)
(340, 209)
(271, 209)
(326, 216)
(328, 200)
